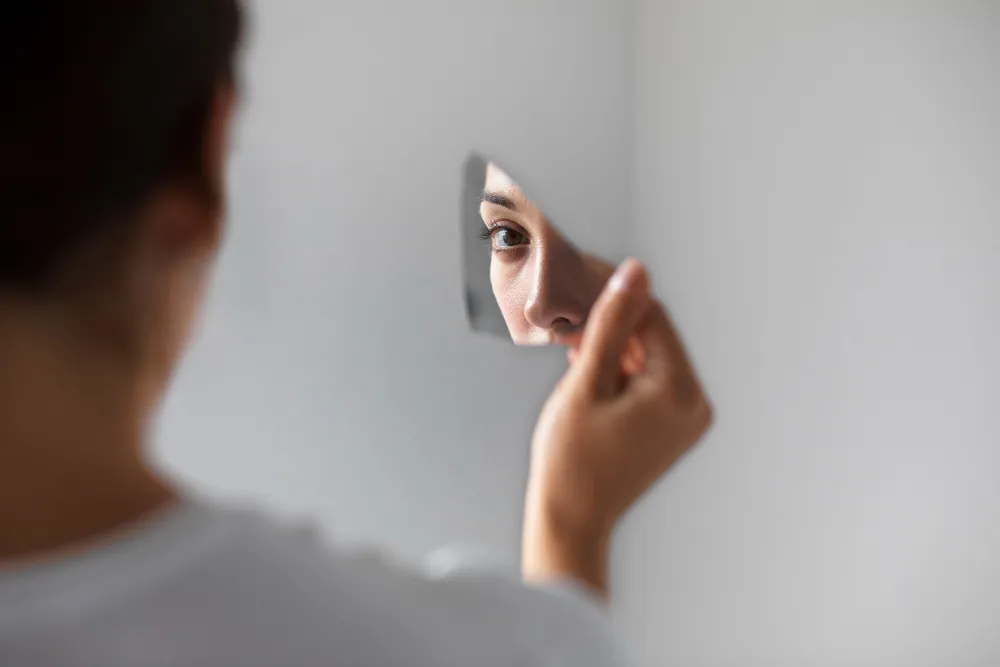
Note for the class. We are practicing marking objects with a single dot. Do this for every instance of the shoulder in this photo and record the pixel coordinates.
(452, 605)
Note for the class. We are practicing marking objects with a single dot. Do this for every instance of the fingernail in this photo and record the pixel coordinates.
(625, 276)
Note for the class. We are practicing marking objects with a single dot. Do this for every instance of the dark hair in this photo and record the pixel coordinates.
(104, 101)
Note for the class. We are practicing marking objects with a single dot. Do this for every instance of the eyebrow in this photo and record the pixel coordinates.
(499, 200)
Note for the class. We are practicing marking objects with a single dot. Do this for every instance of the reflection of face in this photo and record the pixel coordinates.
(544, 286)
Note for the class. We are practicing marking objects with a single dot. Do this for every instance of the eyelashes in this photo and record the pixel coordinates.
(503, 238)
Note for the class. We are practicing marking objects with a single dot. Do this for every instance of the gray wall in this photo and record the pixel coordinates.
(818, 188)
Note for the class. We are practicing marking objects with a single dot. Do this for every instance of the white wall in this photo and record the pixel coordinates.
(818, 190)
(336, 375)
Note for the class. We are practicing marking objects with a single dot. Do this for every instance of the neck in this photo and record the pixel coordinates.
(71, 432)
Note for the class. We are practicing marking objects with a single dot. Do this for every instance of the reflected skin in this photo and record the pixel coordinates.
(544, 286)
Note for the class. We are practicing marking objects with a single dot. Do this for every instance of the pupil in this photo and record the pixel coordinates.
(508, 237)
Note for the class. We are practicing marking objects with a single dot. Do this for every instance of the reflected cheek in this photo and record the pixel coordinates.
(511, 288)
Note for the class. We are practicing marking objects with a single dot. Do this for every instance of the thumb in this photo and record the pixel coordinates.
(612, 321)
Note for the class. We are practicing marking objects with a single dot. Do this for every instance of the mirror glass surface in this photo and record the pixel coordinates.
(524, 279)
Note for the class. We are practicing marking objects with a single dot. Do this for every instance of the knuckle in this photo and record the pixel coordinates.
(684, 396)
(704, 415)
(686, 390)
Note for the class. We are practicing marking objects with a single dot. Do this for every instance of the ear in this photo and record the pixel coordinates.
(188, 223)
(217, 135)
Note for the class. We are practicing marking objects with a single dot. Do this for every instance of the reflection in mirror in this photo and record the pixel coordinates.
(525, 280)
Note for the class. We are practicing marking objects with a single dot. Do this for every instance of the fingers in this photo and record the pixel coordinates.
(617, 313)
(668, 368)
(634, 361)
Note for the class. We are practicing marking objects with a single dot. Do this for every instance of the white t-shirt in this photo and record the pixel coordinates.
(209, 586)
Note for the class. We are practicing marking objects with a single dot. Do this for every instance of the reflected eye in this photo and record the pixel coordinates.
(508, 238)
(504, 238)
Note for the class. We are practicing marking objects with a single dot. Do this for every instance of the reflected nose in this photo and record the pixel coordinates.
(560, 297)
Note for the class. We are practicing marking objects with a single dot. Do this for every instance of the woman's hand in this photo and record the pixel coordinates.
(609, 431)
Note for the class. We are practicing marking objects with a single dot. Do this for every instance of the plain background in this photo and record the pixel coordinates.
(816, 187)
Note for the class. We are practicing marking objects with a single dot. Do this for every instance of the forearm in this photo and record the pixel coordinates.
(553, 549)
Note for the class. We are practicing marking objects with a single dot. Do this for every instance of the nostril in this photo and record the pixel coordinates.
(551, 314)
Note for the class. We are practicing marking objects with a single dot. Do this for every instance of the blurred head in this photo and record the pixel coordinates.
(544, 286)
(114, 130)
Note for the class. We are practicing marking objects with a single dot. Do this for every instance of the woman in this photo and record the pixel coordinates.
(114, 140)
